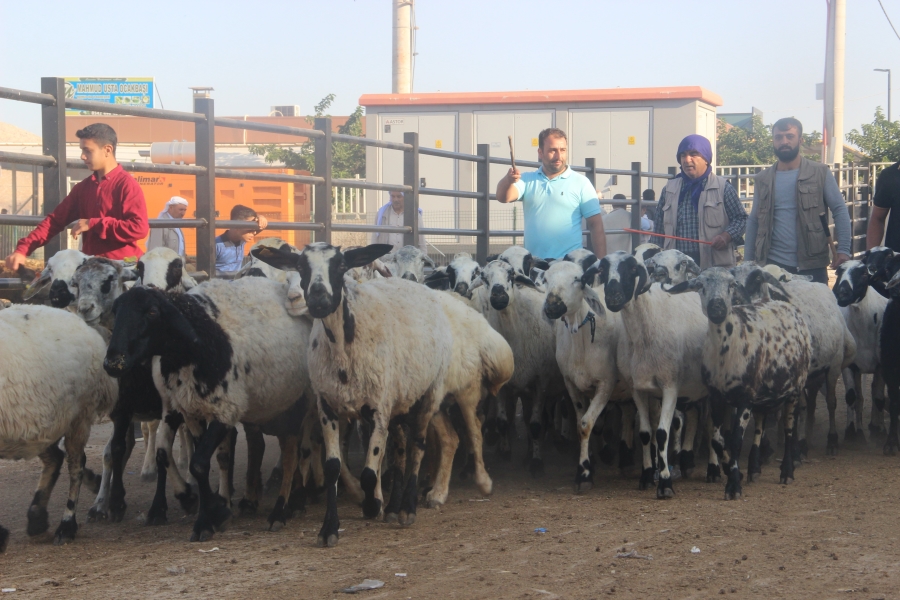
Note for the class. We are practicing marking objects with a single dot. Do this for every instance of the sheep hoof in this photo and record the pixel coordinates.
(646, 478)
(371, 507)
(713, 474)
(664, 490)
(804, 448)
(536, 467)
(117, 514)
(189, 501)
(276, 525)
(583, 486)
(754, 477)
(831, 449)
(407, 519)
(202, 536)
(247, 507)
(391, 517)
(4, 539)
(674, 473)
(157, 516)
(38, 520)
(97, 513)
(850, 433)
(329, 542)
(148, 476)
(65, 533)
(786, 480)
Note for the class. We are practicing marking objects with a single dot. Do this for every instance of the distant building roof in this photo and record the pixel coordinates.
(537, 96)
(10, 134)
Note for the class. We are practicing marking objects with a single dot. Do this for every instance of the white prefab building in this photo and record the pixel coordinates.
(615, 127)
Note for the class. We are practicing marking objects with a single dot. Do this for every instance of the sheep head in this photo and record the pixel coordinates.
(851, 283)
(623, 278)
(716, 287)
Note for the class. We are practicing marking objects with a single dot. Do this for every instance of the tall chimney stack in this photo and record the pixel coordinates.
(401, 62)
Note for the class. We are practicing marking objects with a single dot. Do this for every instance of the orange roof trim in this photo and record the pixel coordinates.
(692, 92)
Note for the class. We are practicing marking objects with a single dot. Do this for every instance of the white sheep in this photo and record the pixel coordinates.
(864, 314)
(55, 279)
(53, 386)
(408, 262)
(222, 353)
(359, 367)
(756, 359)
(666, 336)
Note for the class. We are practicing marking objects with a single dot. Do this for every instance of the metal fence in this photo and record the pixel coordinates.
(53, 161)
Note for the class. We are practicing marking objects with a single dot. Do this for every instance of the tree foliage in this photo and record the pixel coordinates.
(880, 139)
(348, 160)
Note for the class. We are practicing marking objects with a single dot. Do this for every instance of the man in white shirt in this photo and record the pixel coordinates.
(391, 214)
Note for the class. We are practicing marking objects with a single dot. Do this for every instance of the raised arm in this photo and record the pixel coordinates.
(507, 191)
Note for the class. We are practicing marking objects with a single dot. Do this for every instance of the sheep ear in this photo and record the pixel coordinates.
(894, 282)
(359, 257)
(593, 300)
(587, 279)
(438, 280)
(187, 281)
(491, 258)
(540, 263)
(522, 280)
(691, 285)
(650, 253)
(173, 317)
(277, 257)
(129, 275)
(644, 282)
(779, 293)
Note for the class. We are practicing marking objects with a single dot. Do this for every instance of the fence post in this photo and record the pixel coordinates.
(865, 211)
(53, 132)
(591, 164)
(636, 207)
(483, 206)
(324, 149)
(411, 198)
(205, 146)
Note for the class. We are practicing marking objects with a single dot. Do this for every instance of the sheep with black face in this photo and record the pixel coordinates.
(756, 358)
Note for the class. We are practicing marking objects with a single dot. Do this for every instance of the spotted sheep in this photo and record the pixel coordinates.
(222, 353)
(833, 347)
(665, 344)
(864, 314)
(587, 340)
(53, 386)
(513, 306)
(408, 262)
(361, 368)
(884, 265)
(756, 359)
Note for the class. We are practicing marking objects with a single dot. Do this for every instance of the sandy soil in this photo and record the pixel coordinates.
(831, 534)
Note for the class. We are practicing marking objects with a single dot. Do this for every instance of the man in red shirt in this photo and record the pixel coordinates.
(109, 205)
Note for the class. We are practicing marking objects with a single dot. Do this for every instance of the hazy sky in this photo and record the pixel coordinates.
(763, 53)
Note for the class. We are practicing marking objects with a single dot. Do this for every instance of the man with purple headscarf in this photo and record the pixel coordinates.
(700, 205)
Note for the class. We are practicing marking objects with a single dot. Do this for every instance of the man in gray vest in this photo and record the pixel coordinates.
(699, 206)
(785, 227)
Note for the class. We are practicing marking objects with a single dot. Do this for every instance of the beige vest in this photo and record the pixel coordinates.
(711, 215)
(812, 245)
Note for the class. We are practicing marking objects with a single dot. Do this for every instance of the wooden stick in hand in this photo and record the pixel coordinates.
(512, 154)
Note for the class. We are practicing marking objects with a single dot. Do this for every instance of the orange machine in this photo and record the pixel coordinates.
(275, 201)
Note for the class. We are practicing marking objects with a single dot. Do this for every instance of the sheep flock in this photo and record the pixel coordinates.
(632, 357)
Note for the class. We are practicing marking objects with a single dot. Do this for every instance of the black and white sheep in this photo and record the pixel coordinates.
(756, 359)
(361, 368)
(408, 262)
(53, 386)
(864, 315)
(53, 284)
(884, 266)
(833, 347)
(222, 353)
(665, 336)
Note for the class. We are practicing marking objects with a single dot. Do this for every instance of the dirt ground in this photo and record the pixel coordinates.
(833, 533)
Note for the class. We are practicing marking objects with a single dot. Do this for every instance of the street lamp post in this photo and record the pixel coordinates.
(888, 71)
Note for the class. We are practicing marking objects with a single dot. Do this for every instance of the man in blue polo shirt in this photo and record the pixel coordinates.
(555, 199)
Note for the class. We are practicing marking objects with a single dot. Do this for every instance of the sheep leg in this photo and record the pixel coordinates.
(75, 440)
(352, 486)
(417, 433)
(754, 463)
(370, 479)
(664, 487)
(642, 404)
(213, 514)
(714, 435)
(398, 443)
(626, 444)
(123, 431)
(892, 445)
(52, 459)
(256, 448)
(328, 535)
(678, 423)
(4, 538)
(876, 420)
(282, 510)
(790, 431)
(506, 405)
(225, 459)
(733, 490)
(686, 456)
(536, 430)
(449, 442)
(100, 508)
(852, 378)
(831, 377)
(468, 408)
(148, 470)
(490, 430)
(186, 451)
(587, 418)
(165, 465)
